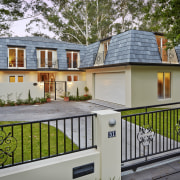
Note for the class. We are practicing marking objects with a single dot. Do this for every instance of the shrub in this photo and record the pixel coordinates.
(2, 103)
(19, 101)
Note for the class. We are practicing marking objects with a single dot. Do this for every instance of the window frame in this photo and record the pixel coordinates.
(54, 57)
(78, 59)
(164, 87)
(72, 78)
(16, 50)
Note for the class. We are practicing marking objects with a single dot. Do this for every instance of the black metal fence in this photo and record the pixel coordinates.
(149, 136)
(31, 141)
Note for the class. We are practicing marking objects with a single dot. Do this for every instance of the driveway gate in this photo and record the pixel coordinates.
(149, 136)
(55, 88)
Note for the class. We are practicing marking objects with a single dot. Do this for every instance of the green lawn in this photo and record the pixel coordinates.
(164, 122)
(23, 136)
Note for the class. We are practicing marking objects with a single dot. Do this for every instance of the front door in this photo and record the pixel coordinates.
(48, 79)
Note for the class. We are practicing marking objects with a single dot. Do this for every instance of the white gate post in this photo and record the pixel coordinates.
(107, 137)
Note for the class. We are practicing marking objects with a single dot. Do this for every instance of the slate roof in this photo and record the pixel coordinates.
(90, 55)
(132, 46)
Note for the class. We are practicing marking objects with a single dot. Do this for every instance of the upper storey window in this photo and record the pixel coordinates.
(167, 55)
(161, 42)
(102, 52)
(16, 57)
(72, 59)
(47, 58)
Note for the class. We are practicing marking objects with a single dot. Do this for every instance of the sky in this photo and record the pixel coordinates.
(18, 27)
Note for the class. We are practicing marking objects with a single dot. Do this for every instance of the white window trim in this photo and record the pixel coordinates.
(72, 77)
(16, 78)
(46, 57)
(78, 59)
(16, 48)
(164, 89)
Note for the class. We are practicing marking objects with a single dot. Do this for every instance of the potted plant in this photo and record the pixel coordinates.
(48, 97)
(66, 97)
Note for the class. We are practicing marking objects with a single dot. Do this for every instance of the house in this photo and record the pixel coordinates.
(27, 60)
(132, 68)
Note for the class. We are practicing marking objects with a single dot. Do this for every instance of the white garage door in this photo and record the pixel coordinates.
(110, 87)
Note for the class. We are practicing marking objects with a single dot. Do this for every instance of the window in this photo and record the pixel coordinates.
(106, 45)
(13, 79)
(72, 78)
(16, 57)
(72, 59)
(164, 85)
(47, 58)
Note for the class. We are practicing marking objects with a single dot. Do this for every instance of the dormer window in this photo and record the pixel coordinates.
(72, 59)
(16, 57)
(167, 55)
(47, 58)
(102, 52)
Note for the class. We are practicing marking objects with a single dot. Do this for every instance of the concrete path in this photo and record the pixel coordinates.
(106, 104)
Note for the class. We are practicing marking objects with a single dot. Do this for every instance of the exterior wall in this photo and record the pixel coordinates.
(127, 69)
(59, 168)
(144, 85)
(72, 87)
(20, 90)
(62, 76)
(30, 76)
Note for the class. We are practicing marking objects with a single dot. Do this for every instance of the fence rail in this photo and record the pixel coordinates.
(31, 141)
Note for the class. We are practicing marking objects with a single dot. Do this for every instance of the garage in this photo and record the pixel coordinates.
(110, 87)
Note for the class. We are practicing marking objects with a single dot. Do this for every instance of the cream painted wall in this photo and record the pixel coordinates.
(144, 85)
(20, 90)
(62, 76)
(28, 76)
(127, 69)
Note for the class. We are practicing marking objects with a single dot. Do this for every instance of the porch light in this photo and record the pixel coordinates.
(41, 84)
(69, 83)
(112, 122)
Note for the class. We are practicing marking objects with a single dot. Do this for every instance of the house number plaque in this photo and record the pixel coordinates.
(111, 134)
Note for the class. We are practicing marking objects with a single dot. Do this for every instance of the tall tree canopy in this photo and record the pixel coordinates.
(10, 10)
(164, 16)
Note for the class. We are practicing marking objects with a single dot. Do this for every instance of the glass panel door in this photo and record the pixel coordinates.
(69, 59)
(49, 58)
(42, 58)
(20, 58)
(75, 59)
(12, 57)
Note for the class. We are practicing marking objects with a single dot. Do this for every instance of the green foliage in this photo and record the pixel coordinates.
(2, 102)
(77, 92)
(86, 89)
(163, 16)
(80, 98)
(10, 10)
(19, 102)
(29, 96)
(48, 95)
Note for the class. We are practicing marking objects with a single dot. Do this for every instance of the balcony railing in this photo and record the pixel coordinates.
(47, 63)
(99, 58)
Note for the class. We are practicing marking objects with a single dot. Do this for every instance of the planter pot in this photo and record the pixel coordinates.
(66, 98)
(48, 100)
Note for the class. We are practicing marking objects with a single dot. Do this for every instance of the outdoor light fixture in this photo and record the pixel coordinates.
(112, 122)
(41, 84)
(35, 84)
